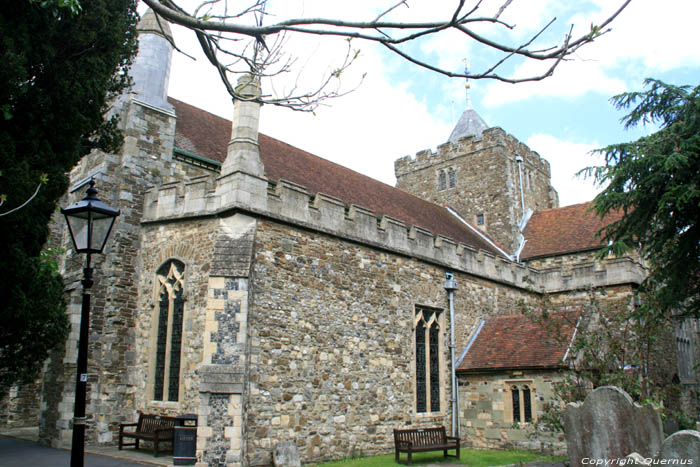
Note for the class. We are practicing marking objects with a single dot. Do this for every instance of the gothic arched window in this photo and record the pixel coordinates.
(452, 177)
(171, 304)
(427, 332)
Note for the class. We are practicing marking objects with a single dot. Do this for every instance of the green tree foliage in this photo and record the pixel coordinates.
(61, 63)
(655, 182)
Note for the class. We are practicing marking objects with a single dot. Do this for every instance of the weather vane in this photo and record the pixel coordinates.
(467, 85)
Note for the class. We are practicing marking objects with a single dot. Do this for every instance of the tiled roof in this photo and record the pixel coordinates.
(563, 230)
(517, 342)
(207, 135)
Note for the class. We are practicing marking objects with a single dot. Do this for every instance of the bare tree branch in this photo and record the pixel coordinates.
(218, 30)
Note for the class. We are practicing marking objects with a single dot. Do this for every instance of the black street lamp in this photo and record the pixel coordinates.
(89, 222)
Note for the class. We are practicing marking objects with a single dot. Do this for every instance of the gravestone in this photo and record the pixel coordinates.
(682, 445)
(286, 455)
(609, 425)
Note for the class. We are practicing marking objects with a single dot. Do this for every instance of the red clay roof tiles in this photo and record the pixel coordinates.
(517, 342)
(207, 135)
(563, 230)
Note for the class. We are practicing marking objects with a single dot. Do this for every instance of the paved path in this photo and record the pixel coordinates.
(20, 453)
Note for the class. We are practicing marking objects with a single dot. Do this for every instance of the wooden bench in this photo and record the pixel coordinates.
(424, 439)
(155, 428)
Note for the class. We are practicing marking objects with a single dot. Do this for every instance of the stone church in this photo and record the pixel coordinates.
(282, 297)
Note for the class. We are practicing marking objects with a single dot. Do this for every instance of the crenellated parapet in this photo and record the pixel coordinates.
(290, 203)
(492, 139)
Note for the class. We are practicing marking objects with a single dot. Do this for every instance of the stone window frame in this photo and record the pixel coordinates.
(520, 385)
(153, 338)
(480, 219)
(437, 317)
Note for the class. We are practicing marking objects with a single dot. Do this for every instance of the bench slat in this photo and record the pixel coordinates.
(423, 439)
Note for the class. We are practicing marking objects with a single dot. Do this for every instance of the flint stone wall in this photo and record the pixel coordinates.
(609, 425)
(332, 342)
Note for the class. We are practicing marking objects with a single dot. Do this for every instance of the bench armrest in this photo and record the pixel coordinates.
(125, 425)
(452, 438)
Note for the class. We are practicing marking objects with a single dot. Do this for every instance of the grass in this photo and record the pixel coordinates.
(470, 457)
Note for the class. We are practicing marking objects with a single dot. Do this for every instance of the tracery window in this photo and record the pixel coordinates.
(427, 332)
(442, 180)
(521, 403)
(170, 303)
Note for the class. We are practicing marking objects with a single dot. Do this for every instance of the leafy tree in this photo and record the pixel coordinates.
(655, 183)
(62, 61)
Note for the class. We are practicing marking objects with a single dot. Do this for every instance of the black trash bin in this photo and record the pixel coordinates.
(185, 442)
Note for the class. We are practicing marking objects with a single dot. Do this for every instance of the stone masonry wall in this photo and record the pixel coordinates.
(486, 418)
(487, 181)
(192, 243)
(121, 179)
(332, 342)
(21, 405)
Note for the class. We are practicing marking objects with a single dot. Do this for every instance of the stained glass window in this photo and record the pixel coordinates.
(527, 404)
(434, 368)
(516, 404)
(170, 277)
(427, 331)
(421, 403)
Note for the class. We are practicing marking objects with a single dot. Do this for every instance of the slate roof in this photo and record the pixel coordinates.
(564, 230)
(469, 124)
(516, 342)
(207, 135)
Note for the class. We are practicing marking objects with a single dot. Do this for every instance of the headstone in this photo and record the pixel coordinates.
(683, 446)
(286, 455)
(609, 425)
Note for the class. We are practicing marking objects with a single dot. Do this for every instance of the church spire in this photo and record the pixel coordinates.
(470, 123)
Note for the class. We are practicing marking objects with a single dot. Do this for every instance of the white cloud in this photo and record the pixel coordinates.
(570, 80)
(566, 158)
(646, 39)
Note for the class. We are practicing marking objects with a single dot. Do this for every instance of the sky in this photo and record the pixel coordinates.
(399, 109)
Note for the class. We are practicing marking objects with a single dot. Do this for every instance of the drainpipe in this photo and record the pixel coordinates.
(451, 286)
(519, 160)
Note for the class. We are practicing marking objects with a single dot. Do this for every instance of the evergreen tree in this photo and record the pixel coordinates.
(62, 61)
(655, 182)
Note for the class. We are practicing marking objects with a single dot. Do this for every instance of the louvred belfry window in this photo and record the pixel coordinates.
(428, 335)
(170, 277)
(442, 180)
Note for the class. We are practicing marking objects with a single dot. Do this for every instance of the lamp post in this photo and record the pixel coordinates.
(89, 222)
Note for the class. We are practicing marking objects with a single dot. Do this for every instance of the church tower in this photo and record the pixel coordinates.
(484, 174)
